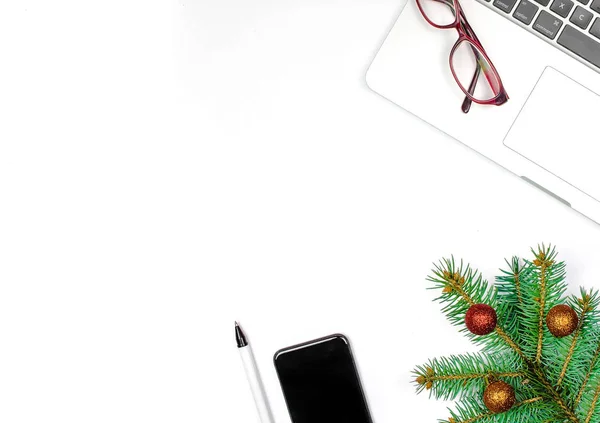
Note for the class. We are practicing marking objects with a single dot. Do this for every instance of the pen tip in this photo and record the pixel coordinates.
(240, 336)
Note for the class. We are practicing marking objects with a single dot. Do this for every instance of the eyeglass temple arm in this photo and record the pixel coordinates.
(469, 30)
(466, 105)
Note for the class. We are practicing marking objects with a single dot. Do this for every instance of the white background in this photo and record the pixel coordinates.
(168, 167)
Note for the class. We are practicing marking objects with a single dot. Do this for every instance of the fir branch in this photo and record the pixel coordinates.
(509, 284)
(460, 375)
(587, 376)
(463, 287)
(542, 301)
(544, 260)
(587, 399)
(553, 393)
(508, 341)
(581, 355)
(510, 293)
(472, 410)
(517, 275)
(593, 405)
(542, 286)
(586, 307)
(557, 380)
(529, 401)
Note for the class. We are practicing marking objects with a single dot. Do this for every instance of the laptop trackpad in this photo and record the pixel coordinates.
(558, 129)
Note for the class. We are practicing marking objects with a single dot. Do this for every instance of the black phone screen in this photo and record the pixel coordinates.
(320, 382)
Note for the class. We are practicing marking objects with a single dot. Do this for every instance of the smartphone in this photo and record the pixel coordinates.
(320, 382)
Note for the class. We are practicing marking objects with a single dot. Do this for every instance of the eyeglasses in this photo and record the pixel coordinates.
(470, 65)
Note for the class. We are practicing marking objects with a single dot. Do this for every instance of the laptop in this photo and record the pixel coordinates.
(547, 54)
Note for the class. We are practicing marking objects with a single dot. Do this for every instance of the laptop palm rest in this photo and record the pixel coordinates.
(554, 130)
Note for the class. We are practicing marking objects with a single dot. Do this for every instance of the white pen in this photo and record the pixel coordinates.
(256, 385)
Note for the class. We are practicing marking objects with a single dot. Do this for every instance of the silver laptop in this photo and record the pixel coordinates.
(547, 56)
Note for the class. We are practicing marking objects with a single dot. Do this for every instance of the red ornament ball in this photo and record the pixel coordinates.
(481, 319)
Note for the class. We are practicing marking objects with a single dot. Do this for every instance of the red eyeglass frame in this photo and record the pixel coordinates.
(466, 33)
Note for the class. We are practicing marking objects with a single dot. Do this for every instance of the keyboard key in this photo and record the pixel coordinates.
(581, 17)
(580, 44)
(505, 5)
(595, 29)
(596, 6)
(547, 24)
(562, 7)
(543, 2)
(526, 11)
(584, 2)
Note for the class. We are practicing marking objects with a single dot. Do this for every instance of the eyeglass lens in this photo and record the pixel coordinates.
(464, 62)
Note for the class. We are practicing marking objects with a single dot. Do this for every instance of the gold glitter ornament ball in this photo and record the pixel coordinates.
(562, 320)
(499, 397)
(481, 319)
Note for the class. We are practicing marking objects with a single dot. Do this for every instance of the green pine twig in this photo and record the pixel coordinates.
(555, 373)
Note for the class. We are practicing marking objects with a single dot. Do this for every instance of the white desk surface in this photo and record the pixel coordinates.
(167, 167)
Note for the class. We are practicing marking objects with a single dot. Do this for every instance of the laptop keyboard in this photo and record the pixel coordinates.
(572, 24)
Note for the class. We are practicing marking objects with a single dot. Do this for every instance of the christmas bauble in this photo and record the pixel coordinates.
(499, 397)
(481, 319)
(562, 320)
